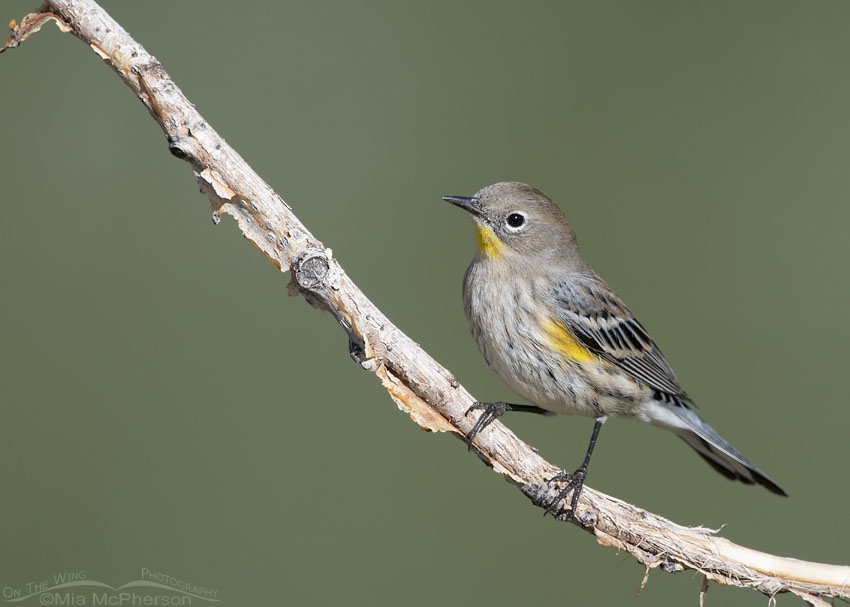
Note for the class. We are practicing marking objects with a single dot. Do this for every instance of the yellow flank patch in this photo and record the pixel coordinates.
(488, 243)
(561, 340)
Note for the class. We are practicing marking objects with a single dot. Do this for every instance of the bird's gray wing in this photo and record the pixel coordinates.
(602, 323)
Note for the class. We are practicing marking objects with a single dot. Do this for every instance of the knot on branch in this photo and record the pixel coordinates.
(175, 149)
(671, 566)
(311, 270)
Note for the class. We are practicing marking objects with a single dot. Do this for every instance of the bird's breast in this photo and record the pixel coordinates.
(533, 353)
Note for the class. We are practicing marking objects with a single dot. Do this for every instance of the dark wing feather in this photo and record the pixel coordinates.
(604, 325)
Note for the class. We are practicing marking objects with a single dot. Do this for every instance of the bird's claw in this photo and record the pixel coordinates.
(563, 475)
(491, 412)
(575, 482)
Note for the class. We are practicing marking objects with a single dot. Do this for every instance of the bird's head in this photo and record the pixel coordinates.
(516, 221)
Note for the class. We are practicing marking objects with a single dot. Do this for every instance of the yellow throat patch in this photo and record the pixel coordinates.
(564, 343)
(488, 243)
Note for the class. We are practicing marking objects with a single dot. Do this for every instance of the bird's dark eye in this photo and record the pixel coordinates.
(515, 220)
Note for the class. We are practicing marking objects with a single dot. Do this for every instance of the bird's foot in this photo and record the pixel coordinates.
(575, 482)
(491, 412)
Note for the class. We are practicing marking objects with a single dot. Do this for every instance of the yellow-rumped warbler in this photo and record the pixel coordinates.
(551, 328)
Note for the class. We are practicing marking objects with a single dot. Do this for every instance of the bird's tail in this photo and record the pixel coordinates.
(720, 455)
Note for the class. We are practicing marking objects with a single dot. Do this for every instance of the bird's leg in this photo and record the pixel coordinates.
(575, 481)
(492, 412)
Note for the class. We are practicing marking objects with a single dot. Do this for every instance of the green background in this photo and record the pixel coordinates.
(166, 405)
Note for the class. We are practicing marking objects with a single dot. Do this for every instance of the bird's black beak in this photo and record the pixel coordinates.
(467, 203)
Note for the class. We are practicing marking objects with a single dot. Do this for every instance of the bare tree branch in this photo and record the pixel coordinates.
(416, 382)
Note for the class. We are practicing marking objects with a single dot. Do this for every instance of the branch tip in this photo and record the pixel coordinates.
(30, 25)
